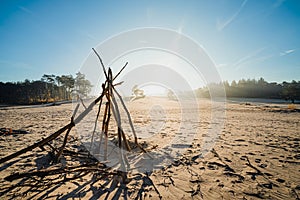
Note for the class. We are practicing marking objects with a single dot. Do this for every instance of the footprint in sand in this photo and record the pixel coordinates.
(297, 156)
(280, 180)
(257, 160)
(263, 165)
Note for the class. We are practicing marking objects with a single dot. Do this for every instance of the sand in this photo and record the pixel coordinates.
(256, 155)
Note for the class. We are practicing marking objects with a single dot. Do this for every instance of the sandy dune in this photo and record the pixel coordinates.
(256, 155)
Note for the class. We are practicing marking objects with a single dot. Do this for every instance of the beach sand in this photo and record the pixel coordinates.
(255, 156)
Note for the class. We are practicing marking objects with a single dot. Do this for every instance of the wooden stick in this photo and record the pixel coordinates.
(37, 144)
(259, 172)
(54, 135)
(103, 68)
(117, 116)
(64, 144)
(82, 103)
(120, 71)
(130, 123)
(88, 109)
(104, 128)
(52, 147)
(120, 83)
(111, 105)
(50, 172)
(95, 125)
(75, 110)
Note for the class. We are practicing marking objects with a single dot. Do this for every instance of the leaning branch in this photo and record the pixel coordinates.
(38, 144)
(101, 63)
(54, 135)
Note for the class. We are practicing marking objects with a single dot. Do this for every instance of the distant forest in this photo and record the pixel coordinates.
(252, 88)
(49, 88)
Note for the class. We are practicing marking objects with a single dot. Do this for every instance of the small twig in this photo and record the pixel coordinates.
(64, 143)
(75, 110)
(253, 167)
(82, 103)
(50, 172)
(117, 115)
(88, 109)
(105, 121)
(117, 84)
(103, 68)
(98, 113)
(120, 71)
(108, 91)
(48, 144)
(156, 190)
(257, 170)
(38, 144)
(54, 135)
(131, 124)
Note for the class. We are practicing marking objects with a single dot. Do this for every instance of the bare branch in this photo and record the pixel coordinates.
(101, 63)
(120, 71)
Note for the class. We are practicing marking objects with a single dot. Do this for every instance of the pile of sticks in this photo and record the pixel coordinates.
(111, 95)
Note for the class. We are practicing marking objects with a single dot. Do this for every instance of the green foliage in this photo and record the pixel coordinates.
(82, 85)
(50, 88)
(291, 91)
(252, 88)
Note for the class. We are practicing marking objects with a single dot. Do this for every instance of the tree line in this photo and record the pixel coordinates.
(49, 88)
(252, 88)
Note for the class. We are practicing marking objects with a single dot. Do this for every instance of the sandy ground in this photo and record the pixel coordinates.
(256, 154)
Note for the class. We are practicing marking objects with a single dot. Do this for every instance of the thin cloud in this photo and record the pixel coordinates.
(248, 58)
(287, 52)
(257, 57)
(24, 9)
(264, 58)
(221, 65)
(278, 3)
(221, 26)
(268, 11)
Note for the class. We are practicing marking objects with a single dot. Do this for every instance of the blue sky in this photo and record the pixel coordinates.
(246, 39)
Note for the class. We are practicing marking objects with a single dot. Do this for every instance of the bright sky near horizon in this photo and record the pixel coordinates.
(245, 38)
